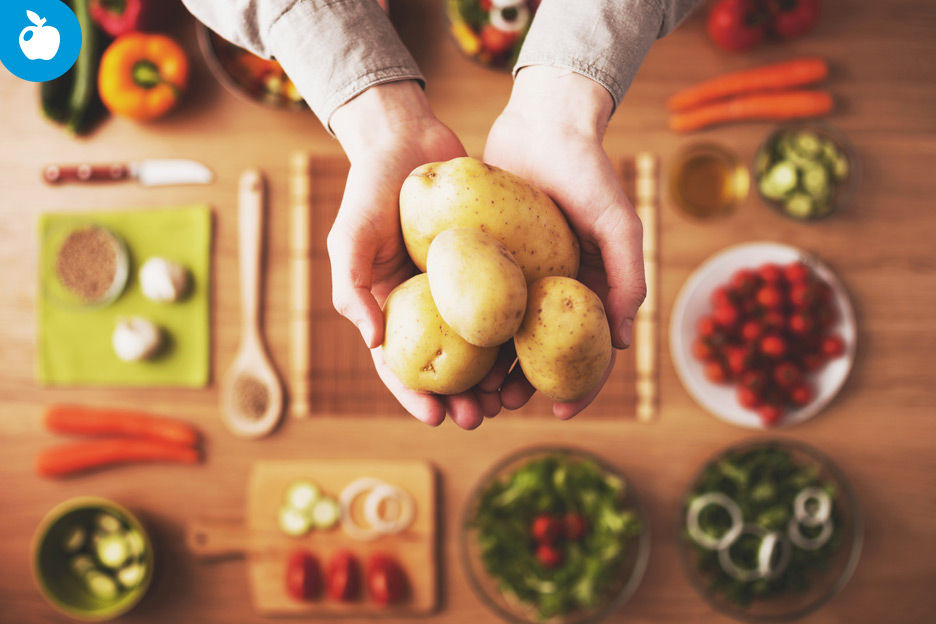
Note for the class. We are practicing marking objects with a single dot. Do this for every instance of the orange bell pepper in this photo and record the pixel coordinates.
(142, 76)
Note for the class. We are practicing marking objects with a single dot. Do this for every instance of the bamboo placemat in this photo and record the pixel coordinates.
(337, 371)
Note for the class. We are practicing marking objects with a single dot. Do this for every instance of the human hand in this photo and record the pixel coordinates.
(388, 131)
(550, 134)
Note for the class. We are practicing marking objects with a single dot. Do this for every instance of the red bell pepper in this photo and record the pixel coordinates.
(737, 25)
(792, 18)
(118, 17)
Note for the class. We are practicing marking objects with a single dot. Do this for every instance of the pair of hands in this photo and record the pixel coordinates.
(549, 134)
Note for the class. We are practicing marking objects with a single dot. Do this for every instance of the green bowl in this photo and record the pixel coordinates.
(59, 586)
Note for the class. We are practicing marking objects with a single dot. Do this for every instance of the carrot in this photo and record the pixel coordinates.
(76, 420)
(795, 73)
(768, 106)
(67, 459)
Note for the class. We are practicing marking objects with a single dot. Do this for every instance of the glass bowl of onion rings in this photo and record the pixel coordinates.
(770, 530)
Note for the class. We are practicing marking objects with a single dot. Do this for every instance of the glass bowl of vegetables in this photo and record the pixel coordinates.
(248, 76)
(554, 534)
(92, 559)
(490, 32)
(770, 531)
(806, 171)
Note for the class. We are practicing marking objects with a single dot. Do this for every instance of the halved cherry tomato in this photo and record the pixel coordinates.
(770, 414)
(549, 556)
(771, 273)
(546, 528)
(748, 398)
(702, 350)
(738, 359)
(773, 320)
(744, 282)
(833, 346)
(801, 395)
(715, 372)
(796, 273)
(770, 297)
(386, 580)
(813, 362)
(721, 296)
(303, 577)
(344, 576)
(773, 346)
(726, 316)
(801, 324)
(754, 379)
(751, 331)
(706, 327)
(786, 374)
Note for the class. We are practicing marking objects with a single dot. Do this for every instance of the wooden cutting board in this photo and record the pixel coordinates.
(267, 548)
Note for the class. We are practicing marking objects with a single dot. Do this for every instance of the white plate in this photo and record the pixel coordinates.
(693, 303)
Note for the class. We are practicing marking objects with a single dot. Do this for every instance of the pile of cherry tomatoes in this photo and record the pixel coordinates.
(768, 330)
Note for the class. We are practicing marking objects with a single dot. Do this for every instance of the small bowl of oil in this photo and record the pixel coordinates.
(708, 180)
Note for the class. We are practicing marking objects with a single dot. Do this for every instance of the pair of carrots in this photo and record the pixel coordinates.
(125, 437)
(771, 92)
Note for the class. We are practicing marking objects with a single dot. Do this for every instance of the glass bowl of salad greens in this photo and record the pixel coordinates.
(806, 171)
(554, 535)
(770, 531)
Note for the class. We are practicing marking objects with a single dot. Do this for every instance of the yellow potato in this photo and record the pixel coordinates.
(466, 192)
(422, 350)
(477, 286)
(564, 342)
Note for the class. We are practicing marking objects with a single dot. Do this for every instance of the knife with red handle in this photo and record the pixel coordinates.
(157, 172)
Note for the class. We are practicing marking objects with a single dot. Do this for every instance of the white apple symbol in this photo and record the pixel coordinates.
(43, 44)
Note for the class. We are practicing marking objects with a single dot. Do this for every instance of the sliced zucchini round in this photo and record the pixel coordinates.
(326, 513)
(302, 495)
(293, 522)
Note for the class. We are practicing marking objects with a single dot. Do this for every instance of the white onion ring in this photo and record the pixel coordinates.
(517, 24)
(386, 493)
(702, 538)
(809, 543)
(821, 515)
(766, 551)
(348, 495)
(734, 570)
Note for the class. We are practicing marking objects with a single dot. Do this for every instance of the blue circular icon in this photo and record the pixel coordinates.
(39, 39)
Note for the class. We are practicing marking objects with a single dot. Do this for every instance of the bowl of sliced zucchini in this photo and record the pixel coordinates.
(91, 559)
(806, 171)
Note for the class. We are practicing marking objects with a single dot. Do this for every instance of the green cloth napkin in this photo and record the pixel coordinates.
(75, 342)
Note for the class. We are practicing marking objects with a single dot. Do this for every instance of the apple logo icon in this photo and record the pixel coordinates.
(39, 41)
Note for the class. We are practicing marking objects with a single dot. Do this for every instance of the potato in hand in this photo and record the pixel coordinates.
(420, 348)
(564, 342)
(477, 285)
(465, 192)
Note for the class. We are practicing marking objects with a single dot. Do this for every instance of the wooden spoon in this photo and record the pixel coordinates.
(252, 393)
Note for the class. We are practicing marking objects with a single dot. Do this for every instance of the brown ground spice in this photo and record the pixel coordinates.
(87, 263)
(251, 397)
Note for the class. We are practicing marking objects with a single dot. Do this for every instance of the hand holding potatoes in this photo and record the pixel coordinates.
(483, 234)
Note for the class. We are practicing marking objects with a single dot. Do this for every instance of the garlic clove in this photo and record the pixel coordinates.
(136, 339)
(163, 280)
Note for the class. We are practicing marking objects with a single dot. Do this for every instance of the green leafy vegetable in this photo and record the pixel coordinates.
(558, 485)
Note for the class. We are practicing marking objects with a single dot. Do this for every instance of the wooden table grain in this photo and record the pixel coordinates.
(881, 429)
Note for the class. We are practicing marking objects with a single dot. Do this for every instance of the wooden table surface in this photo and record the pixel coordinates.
(881, 430)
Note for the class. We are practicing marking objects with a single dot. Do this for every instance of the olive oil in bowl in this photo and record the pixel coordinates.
(708, 181)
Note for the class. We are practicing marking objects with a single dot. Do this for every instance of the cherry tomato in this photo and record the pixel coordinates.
(497, 41)
(738, 359)
(754, 379)
(833, 346)
(771, 274)
(792, 18)
(796, 273)
(303, 577)
(721, 296)
(344, 576)
(770, 414)
(548, 556)
(702, 351)
(773, 346)
(744, 282)
(751, 331)
(737, 25)
(770, 297)
(484, 5)
(749, 399)
(802, 295)
(715, 372)
(726, 316)
(813, 362)
(546, 528)
(801, 394)
(786, 374)
(773, 320)
(801, 324)
(386, 580)
(574, 525)
(706, 327)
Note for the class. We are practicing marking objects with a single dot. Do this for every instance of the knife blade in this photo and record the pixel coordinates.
(152, 172)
